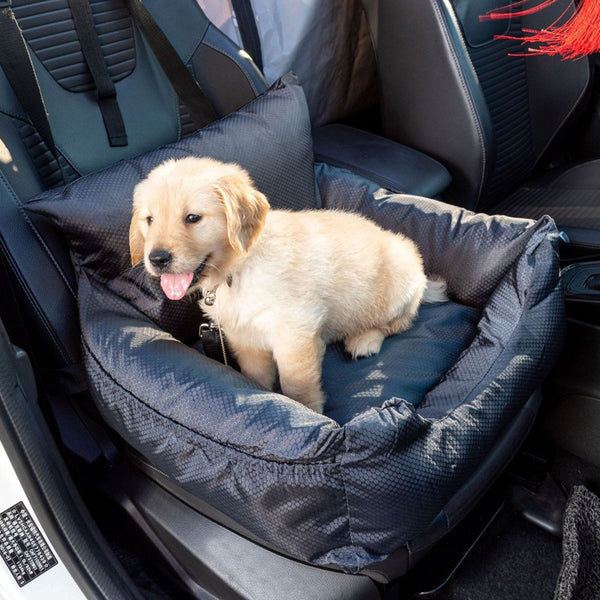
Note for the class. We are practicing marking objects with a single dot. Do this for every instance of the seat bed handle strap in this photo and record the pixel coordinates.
(183, 82)
(106, 94)
(18, 68)
(248, 30)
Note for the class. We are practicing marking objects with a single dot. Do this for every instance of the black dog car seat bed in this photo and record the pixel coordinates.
(404, 431)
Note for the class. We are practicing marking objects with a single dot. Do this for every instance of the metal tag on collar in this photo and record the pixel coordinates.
(209, 297)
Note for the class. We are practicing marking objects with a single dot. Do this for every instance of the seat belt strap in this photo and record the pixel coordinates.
(183, 82)
(248, 30)
(18, 68)
(106, 94)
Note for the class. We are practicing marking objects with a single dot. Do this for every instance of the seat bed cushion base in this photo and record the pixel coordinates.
(337, 495)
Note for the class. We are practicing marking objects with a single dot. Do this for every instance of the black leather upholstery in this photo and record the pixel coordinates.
(529, 99)
(430, 95)
(391, 165)
(571, 195)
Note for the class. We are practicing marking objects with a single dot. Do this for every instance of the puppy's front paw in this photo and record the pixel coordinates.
(311, 396)
(315, 402)
(299, 363)
(365, 344)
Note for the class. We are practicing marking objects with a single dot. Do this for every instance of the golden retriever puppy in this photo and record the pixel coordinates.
(281, 284)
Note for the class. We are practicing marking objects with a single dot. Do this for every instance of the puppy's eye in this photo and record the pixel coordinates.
(149, 220)
(193, 218)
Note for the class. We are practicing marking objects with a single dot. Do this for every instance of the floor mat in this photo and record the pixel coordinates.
(579, 577)
(515, 560)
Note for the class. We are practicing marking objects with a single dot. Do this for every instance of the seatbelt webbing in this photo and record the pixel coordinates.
(248, 30)
(183, 82)
(106, 93)
(18, 68)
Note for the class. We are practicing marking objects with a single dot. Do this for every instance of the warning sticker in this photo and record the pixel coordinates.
(22, 546)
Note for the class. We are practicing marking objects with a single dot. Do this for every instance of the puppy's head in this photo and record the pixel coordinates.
(192, 217)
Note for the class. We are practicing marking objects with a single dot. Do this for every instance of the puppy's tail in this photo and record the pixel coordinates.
(436, 290)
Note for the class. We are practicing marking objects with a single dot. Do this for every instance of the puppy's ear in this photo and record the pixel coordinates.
(136, 240)
(245, 209)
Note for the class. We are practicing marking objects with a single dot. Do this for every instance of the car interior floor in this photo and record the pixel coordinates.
(514, 560)
(521, 553)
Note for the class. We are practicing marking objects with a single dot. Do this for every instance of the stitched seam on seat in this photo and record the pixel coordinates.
(35, 305)
(48, 252)
(468, 95)
(19, 117)
(23, 212)
(189, 65)
(195, 46)
(347, 500)
(566, 118)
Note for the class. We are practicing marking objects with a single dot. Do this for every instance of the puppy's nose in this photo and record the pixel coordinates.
(160, 258)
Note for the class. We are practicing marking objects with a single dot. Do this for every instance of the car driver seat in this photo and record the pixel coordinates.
(451, 90)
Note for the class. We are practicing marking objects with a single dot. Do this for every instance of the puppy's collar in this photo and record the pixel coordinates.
(209, 296)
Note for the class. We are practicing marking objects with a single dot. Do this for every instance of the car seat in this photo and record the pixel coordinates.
(162, 496)
(326, 43)
(494, 119)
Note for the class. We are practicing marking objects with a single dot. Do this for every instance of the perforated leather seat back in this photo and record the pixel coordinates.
(529, 98)
(41, 270)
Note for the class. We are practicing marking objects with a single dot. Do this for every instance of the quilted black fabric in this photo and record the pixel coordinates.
(268, 136)
(407, 366)
(344, 496)
(341, 495)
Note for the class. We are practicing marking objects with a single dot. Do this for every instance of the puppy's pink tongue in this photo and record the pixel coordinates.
(175, 286)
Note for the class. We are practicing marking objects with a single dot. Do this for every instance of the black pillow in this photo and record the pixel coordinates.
(270, 137)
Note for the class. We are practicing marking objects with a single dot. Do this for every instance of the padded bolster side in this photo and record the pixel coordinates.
(431, 98)
(394, 166)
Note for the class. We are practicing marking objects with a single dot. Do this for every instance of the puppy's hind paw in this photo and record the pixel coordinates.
(365, 344)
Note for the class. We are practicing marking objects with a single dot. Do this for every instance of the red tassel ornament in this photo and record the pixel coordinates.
(570, 37)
